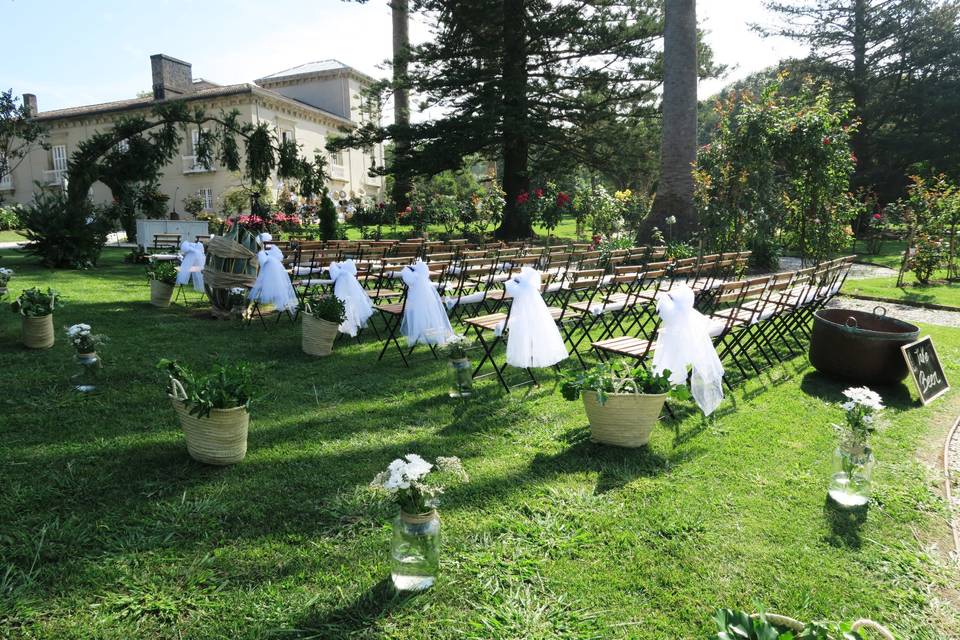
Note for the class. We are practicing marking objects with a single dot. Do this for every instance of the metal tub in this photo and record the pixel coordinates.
(859, 346)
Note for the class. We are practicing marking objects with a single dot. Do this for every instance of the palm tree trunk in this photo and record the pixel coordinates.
(400, 11)
(678, 147)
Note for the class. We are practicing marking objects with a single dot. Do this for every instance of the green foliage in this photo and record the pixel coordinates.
(927, 256)
(193, 204)
(779, 168)
(19, 132)
(63, 234)
(327, 212)
(324, 306)
(618, 377)
(740, 625)
(137, 255)
(225, 386)
(11, 217)
(34, 303)
(931, 211)
(163, 270)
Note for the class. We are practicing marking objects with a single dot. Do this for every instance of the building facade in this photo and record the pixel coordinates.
(308, 104)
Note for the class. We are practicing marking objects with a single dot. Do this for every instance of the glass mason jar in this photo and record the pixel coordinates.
(415, 551)
(461, 377)
(852, 472)
(85, 380)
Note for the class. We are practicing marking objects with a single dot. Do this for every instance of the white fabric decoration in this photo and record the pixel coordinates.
(355, 300)
(273, 282)
(191, 266)
(684, 340)
(470, 298)
(265, 237)
(533, 339)
(424, 316)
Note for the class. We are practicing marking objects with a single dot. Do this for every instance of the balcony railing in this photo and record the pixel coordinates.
(192, 165)
(6, 183)
(54, 177)
(338, 172)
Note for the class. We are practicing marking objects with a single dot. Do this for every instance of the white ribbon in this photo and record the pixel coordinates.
(424, 316)
(684, 341)
(273, 282)
(191, 265)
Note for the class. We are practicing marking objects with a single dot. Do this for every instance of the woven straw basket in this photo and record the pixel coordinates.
(318, 335)
(625, 419)
(38, 332)
(796, 625)
(220, 438)
(160, 293)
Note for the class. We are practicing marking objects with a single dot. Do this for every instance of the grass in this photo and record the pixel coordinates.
(939, 291)
(109, 530)
(11, 236)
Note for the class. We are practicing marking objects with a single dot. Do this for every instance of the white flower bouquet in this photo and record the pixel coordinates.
(83, 339)
(5, 275)
(862, 407)
(409, 481)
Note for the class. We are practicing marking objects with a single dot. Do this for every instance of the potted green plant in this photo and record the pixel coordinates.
(213, 409)
(768, 626)
(622, 401)
(36, 309)
(322, 314)
(415, 547)
(162, 275)
(461, 369)
(5, 275)
(853, 458)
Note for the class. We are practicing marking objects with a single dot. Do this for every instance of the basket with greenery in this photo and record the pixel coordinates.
(322, 315)
(213, 408)
(162, 275)
(36, 309)
(769, 626)
(622, 401)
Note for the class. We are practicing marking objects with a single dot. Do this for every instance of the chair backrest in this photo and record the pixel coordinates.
(166, 240)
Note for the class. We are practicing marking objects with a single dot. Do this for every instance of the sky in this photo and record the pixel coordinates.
(78, 52)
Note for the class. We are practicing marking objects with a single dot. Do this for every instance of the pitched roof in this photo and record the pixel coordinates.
(200, 93)
(318, 67)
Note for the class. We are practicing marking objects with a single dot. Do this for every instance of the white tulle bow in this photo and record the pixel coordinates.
(356, 302)
(273, 284)
(684, 341)
(533, 339)
(424, 316)
(191, 264)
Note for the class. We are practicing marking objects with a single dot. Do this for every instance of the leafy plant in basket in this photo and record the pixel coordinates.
(34, 303)
(619, 377)
(324, 306)
(740, 625)
(163, 271)
(225, 386)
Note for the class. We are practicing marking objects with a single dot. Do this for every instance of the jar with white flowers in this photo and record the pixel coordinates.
(853, 461)
(412, 482)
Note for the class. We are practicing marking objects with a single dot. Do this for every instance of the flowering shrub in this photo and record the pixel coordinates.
(777, 171)
(485, 209)
(83, 339)
(926, 257)
(406, 481)
(932, 212)
(271, 222)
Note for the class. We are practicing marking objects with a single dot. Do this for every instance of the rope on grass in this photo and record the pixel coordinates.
(946, 483)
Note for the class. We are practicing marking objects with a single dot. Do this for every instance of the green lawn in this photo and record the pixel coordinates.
(109, 530)
(11, 236)
(939, 291)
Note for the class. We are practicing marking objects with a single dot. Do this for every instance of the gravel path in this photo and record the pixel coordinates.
(857, 271)
(900, 311)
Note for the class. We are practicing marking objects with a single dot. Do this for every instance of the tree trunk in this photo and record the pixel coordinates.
(678, 147)
(400, 10)
(859, 88)
(516, 144)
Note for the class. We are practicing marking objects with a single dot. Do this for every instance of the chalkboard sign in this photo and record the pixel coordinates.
(926, 370)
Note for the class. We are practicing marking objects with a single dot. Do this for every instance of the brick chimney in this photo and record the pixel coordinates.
(30, 102)
(171, 77)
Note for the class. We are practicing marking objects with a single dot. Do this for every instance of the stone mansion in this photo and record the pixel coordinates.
(307, 104)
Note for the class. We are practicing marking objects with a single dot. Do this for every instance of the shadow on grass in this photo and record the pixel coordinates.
(895, 396)
(845, 524)
(375, 603)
